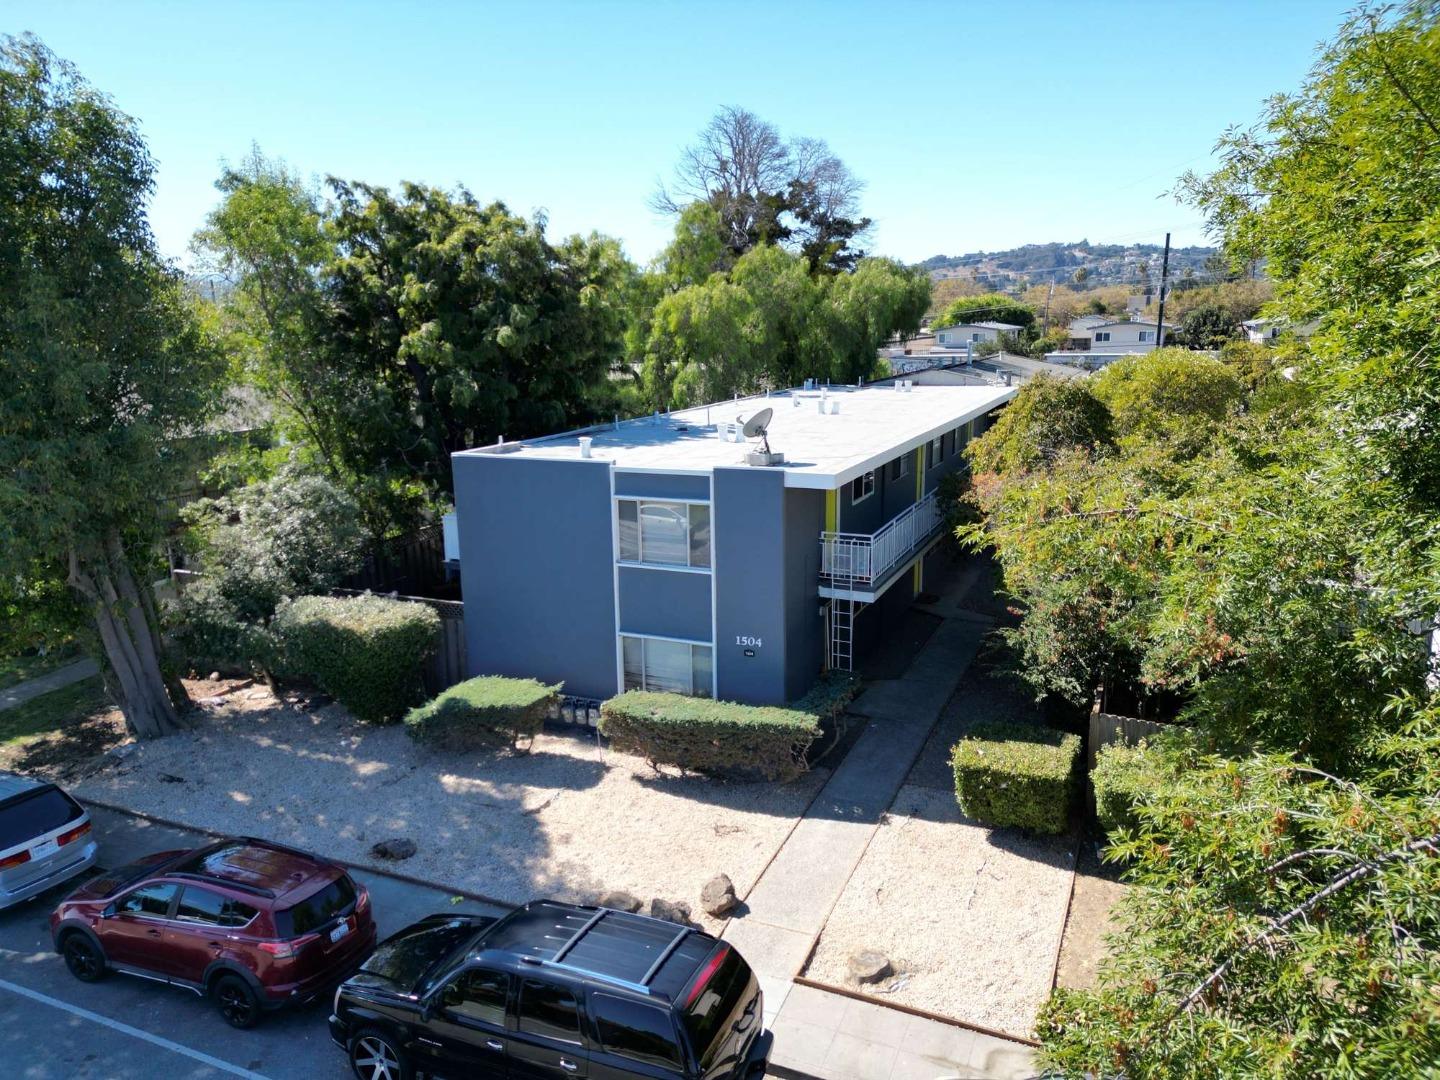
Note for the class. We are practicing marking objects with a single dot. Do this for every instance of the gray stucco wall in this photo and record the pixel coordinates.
(667, 603)
(662, 485)
(748, 517)
(536, 569)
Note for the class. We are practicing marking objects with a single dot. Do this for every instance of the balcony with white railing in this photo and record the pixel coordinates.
(861, 561)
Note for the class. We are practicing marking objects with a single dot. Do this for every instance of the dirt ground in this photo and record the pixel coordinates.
(1097, 889)
(569, 819)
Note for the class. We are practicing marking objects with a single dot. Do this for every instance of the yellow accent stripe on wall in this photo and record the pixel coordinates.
(919, 576)
(832, 511)
(919, 473)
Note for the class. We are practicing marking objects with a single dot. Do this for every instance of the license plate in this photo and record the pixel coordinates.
(340, 931)
(44, 850)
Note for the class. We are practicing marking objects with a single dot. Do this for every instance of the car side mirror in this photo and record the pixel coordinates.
(109, 912)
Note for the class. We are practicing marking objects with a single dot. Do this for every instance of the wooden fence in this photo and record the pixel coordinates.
(1106, 728)
(412, 564)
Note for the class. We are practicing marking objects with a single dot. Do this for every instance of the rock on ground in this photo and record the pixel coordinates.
(676, 911)
(621, 901)
(869, 966)
(397, 848)
(718, 896)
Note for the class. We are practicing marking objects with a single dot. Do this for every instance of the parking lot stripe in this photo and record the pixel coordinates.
(126, 1029)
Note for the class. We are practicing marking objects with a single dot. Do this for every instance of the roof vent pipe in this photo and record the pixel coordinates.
(823, 399)
(585, 446)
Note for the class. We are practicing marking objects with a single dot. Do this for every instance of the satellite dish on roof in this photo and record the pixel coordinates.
(758, 424)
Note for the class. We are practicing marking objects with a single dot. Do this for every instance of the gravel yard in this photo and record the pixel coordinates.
(567, 820)
(970, 917)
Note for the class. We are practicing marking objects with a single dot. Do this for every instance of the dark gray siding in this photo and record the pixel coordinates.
(662, 485)
(537, 569)
(899, 493)
(804, 626)
(749, 548)
(669, 603)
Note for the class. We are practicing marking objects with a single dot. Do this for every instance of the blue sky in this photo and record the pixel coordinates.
(975, 125)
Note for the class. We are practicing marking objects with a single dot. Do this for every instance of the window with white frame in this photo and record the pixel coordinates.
(1146, 335)
(899, 467)
(1102, 335)
(935, 451)
(664, 533)
(862, 487)
(667, 666)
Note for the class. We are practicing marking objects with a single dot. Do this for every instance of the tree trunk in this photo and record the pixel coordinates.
(126, 625)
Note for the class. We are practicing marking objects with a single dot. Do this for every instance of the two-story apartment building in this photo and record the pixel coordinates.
(651, 554)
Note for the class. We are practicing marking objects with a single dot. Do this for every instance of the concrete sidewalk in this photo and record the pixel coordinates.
(827, 1035)
(43, 684)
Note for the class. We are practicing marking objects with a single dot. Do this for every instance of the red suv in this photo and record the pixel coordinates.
(254, 925)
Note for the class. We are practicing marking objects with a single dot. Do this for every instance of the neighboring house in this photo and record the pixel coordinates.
(1268, 331)
(1106, 341)
(1126, 335)
(652, 554)
(962, 334)
(1079, 330)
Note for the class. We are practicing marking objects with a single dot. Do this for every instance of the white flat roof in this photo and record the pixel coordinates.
(822, 450)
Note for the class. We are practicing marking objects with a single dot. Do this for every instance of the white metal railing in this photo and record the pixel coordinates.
(865, 558)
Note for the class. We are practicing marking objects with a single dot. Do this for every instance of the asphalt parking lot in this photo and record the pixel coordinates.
(53, 1027)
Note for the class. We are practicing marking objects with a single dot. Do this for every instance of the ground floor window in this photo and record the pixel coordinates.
(667, 666)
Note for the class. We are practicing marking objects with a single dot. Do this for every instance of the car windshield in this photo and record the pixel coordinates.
(35, 813)
(336, 898)
(715, 996)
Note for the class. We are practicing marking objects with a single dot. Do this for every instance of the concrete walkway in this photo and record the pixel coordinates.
(43, 684)
(827, 1035)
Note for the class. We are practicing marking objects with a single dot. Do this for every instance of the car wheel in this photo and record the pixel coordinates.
(83, 958)
(236, 1001)
(375, 1055)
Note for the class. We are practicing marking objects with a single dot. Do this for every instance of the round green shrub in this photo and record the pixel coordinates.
(365, 651)
(483, 711)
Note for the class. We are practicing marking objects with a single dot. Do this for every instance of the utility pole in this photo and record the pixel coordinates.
(1047, 304)
(1164, 273)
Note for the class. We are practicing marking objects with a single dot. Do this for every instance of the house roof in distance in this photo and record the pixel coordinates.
(872, 425)
(987, 325)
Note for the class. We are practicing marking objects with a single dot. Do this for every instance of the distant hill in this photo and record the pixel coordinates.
(1104, 264)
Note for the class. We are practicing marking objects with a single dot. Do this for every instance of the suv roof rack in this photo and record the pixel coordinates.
(640, 985)
(224, 882)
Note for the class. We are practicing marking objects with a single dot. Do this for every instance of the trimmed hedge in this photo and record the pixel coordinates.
(1017, 774)
(717, 737)
(828, 698)
(365, 651)
(1125, 774)
(483, 711)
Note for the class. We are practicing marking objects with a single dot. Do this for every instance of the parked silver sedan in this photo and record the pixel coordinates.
(45, 838)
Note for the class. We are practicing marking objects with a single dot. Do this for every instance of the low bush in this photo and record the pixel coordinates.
(1016, 774)
(1126, 774)
(828, 698)
(483, 711)
(716, 737)
(365, 651)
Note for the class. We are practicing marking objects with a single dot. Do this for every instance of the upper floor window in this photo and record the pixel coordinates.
(1146, 335)
(664, 533)
(1102, 335)
(899, 467)
(935, 451)
(862, 487)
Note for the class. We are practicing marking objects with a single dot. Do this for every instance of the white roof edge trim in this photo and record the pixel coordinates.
(827, 481)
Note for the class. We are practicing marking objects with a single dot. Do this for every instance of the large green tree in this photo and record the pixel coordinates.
(1284, 918)
(769, 323)
(988, 307)
(107, 378)
(452, 323)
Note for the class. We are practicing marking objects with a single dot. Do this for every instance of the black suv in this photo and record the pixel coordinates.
(553, 990)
